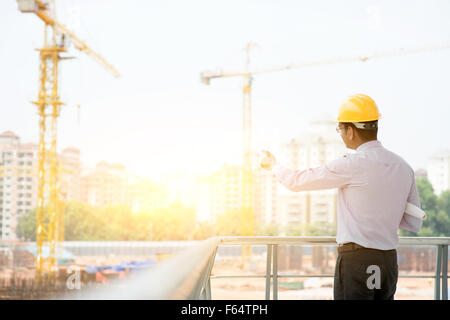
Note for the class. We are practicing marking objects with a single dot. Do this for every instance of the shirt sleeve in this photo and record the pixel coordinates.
(408, 222)
(334, 174)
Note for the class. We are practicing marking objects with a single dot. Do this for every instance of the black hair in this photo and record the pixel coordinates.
(364, 134)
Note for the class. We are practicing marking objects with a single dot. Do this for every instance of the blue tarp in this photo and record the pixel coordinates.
(91, 269)
(131, 266)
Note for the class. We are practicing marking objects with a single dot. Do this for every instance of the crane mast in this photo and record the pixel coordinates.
(247, 207)
(49, 220)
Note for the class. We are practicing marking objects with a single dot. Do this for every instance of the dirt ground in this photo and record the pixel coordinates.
(311, 288)
(243, 289)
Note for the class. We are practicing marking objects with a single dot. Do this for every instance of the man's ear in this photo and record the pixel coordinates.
(351, 133)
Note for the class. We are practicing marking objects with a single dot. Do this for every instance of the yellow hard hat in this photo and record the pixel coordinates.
(358, 108)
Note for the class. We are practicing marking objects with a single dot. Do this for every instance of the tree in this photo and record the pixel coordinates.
(174, 223)
(442, 224)
(84, 222)
(294, 230)
(437, 223)
(229, 223)
(204, 230)
(311, 229)
(428, 202)
(271, 229)
(26, 226)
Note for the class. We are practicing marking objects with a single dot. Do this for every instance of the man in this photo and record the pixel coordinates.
(374, 187)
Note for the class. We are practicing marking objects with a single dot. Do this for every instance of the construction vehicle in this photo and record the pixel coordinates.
(50, 210)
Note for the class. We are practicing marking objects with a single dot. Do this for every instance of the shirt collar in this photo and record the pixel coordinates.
(368, 145)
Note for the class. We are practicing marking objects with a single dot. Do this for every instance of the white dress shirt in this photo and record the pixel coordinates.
(374, 186)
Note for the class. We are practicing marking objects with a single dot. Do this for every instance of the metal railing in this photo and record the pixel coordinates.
(187, 275)
(184, 276)
(272, 243)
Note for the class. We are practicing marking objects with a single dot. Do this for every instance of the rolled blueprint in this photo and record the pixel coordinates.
(415, 211)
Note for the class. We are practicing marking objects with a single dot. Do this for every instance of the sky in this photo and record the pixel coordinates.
(157, 118)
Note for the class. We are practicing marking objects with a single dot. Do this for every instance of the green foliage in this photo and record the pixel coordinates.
(271, 229)
(204, 230)
(83, 222)
(320, 229)
(26, 226)
(311, 229)
(437, 209)
(294, 230)
(229, 223)
(174, 223)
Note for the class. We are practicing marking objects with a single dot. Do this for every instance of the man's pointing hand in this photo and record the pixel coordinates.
(268, 161)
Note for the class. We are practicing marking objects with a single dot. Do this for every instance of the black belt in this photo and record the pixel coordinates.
(350, 246)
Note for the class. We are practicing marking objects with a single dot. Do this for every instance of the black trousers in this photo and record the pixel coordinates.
(366, 274)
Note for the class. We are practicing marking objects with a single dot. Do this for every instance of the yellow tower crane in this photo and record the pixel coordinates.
(247, 212)
(50, 210)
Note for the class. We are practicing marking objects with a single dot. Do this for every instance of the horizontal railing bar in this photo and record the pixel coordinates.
(279, 276)
(305, 276)
(424, 277)
(265, 240)
(240, 276)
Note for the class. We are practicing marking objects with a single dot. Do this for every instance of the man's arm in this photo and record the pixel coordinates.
(409, 222)
(334, 174)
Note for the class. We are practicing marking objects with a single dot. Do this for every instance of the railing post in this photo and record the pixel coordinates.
(268, 269)
(275, 272)
(203, 291)
(208, 289)
(444, 272)
(437, 279)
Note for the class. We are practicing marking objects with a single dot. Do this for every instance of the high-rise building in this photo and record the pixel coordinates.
(225, 190)
(111, 184)
(221, 192)
(18, 182)
(70, 174)
(438, 171)
(421, 173)
(106, 184)
(266, 197)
